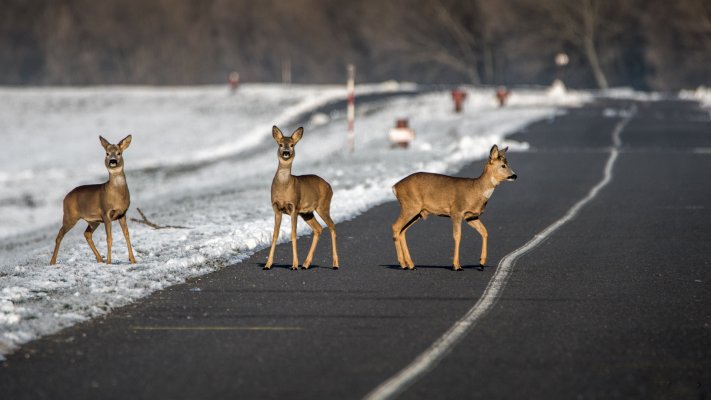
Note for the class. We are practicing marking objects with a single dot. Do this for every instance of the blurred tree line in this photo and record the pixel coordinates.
(647, 44)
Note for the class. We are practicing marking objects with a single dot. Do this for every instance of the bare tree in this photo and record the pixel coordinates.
(427, 33)
(578, 22)
(657, 44)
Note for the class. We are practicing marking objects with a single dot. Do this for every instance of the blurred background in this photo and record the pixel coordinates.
(645, 44)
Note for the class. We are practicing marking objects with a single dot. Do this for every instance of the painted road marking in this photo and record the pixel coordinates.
(216, 328)
(442, 346)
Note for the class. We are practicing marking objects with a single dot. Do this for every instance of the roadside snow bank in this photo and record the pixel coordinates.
(702, 94)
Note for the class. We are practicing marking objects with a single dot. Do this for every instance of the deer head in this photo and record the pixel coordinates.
(114, 158)
(498, 166)
(286, 144)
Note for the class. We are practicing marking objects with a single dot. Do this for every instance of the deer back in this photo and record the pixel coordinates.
(438, 194)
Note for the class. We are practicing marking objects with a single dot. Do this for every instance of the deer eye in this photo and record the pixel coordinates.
(107, 154)
(503, 166)
(118, 154)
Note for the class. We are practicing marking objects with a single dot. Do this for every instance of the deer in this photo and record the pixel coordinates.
(100, 203)
(422, 193)
(299, 196)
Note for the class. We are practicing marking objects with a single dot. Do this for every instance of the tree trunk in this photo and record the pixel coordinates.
(594, 62)
(589, 24)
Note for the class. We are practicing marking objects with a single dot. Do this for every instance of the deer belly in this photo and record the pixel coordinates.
(439, 211)
(92, 218)
(306, 207)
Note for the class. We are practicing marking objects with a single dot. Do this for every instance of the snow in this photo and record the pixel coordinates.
(701, 94)
(204, 159)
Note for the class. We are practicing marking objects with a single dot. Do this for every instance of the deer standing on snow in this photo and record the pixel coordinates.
(422, 193)
(101, 203)
(299, 196)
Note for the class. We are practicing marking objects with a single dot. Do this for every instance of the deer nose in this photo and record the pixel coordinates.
(512, 177)
(286, 154)
(113, 162)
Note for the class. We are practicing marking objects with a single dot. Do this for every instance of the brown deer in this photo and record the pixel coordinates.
(299, 196)
(99, 203)
(421, 194)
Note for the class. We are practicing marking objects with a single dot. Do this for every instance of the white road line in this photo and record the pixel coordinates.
(442, 346)
(216, 328)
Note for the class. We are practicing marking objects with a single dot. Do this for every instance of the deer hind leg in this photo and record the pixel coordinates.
(67, 224)
(316, 227)
(457, 234)
(325, 214)
(401, 224)
(479, 226)
(403, 242)
(124, 228)
(294, 252)
(88, 234)
(275, 236)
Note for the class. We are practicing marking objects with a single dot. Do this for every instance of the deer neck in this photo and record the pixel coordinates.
(117, 180)
(283, 174)
(487, 182)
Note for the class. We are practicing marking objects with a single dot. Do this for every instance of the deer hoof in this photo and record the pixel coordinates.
(294, 267)
(335, 267)
(305, 266)
(458, 268)
(480, 267)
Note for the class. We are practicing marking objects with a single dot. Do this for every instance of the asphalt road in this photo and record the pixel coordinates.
(615, 304)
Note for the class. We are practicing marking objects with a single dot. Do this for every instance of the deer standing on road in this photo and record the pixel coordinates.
(422, 193)
(101, 203)
(299, 196)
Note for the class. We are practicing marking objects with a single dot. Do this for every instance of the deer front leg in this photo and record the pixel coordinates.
(275, 236)
(124, 228)
(109, 239)
(316, 227)
(295, 255)
(88, 236)
(457, 233)
(479, 226)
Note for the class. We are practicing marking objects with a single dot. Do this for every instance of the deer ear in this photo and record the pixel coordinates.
(276, 134)
(494, 153)
(502, 152)
(104, 143)
(296, 136)
(123, 144)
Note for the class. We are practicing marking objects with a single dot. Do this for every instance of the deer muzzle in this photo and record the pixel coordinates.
(113, 162)
(285, 154)
(512, 177)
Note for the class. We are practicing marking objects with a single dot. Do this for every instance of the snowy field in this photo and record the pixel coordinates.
(203, 159)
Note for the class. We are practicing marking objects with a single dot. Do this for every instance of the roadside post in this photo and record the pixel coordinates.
(458, 97)
(350, 87)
